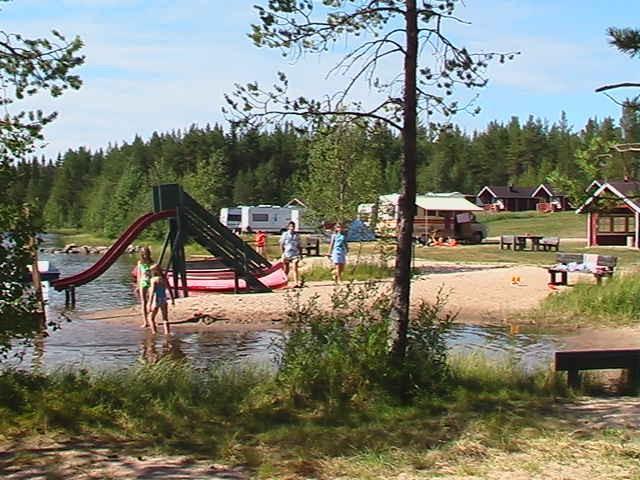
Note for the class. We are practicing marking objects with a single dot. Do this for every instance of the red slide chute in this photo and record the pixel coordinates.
(111, 255)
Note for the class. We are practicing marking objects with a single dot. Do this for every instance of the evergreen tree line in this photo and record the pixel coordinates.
(103, 191)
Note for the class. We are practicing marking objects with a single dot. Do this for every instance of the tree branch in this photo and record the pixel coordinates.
(617, 85)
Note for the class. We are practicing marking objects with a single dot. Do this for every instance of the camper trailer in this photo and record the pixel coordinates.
(447, 215)
(268, 218)
(231, 217)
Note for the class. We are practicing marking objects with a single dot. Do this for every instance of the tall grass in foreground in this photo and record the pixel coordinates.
(479, 375)
(169, 403)
(173, 405)
(616, 301)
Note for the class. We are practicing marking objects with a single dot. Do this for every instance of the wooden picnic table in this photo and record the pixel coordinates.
(521, 241)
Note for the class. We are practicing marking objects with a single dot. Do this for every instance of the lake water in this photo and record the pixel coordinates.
(96, 345)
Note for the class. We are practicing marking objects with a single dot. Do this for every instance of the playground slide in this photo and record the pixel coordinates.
(113, 253)
(224, 280)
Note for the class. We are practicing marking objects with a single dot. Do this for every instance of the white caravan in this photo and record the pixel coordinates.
(268, 218)
(231, 217)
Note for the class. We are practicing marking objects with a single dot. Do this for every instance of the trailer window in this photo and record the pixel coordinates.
(234, 217)
(260, 217)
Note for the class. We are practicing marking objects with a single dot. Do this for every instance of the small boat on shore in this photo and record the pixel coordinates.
(47, 271)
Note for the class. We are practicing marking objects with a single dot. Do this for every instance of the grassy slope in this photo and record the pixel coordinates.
(560, 224)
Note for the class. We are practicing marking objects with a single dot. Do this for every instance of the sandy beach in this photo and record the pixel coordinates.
(483, 294)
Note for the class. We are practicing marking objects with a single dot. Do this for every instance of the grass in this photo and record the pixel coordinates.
(627, 258)
(492, 418)
(368, 251)
(615, 302)
(559, 224)
(358, 272)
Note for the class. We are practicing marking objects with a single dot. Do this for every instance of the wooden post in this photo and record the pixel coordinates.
(36, 279)
(573, 377)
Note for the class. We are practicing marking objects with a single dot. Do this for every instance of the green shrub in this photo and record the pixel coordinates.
(342, 357)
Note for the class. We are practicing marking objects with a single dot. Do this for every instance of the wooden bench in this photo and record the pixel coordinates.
(548, 243)
(507, 241)
(573, 361)
(312, 244)
(606, 264)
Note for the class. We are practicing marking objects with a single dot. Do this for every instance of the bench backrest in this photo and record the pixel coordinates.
(312, 241)
(506, 238)
(550, 240)
(569, 258)
(603, 260)
(607, 260)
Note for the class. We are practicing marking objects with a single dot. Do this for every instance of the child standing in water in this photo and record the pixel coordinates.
(158, 298)
(143, 276)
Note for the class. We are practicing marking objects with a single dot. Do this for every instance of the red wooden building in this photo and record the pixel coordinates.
(613, 214)
(516, 199)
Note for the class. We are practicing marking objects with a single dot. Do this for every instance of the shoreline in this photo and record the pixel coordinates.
(481, 293)
(482, 296)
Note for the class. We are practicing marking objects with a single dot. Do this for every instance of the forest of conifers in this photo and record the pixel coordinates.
(103, 191)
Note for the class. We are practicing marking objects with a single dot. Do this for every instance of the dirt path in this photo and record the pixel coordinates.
(43, 458)
(592, 438)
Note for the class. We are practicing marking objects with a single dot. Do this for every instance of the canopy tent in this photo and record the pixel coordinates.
(359, 232)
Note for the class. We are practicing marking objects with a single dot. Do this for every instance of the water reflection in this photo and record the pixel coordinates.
(530, 350)
(170, 348)
(93, 344)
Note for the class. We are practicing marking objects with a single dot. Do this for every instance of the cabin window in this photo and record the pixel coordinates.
(618, 224)
(234, 217)
(260, 217)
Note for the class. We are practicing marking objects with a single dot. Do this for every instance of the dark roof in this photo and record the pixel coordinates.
(554, 191)
(511, 192)
(630, 189)
(521, 192)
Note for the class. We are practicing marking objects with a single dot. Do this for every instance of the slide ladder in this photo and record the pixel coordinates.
(221, 242)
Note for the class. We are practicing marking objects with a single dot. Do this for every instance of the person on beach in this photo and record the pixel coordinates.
(158, 298)
(338, 249)
(143, 277)
(261, 241)
(291, 252)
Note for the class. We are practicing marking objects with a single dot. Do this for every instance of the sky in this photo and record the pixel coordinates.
(157, 65)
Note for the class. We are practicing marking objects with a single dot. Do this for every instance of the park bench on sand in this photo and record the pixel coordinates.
(598, 265)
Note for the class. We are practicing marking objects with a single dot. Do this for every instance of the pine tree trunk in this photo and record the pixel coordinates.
(407, 201)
